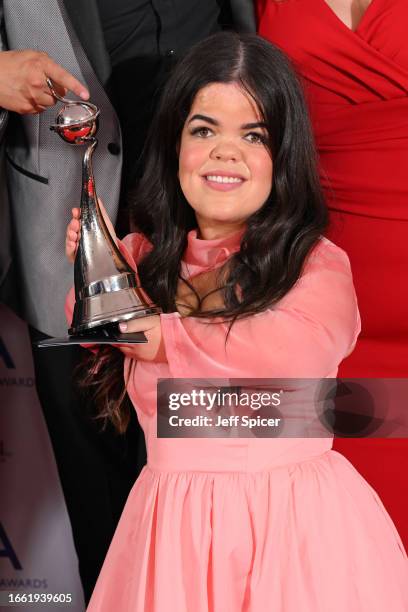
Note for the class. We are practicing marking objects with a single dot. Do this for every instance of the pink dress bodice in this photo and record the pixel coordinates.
(305, 335)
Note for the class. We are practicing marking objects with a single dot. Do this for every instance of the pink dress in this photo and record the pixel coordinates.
(242, 524)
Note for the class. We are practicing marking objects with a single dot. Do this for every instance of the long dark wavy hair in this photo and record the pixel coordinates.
(278, 237)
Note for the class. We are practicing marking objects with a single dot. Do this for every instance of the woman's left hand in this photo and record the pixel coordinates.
(154, 349)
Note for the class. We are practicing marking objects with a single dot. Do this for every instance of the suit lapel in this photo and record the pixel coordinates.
(85, 20)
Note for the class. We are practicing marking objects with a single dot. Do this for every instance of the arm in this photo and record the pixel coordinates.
(310, 331)
(306, 335)
(23, 88)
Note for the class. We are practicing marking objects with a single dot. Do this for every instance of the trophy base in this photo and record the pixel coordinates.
(110, 307)
(101, 335)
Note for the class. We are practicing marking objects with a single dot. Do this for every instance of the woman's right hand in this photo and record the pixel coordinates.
(72, 235)
(74, 231)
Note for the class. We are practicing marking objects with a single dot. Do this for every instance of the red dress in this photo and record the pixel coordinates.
(356, 85)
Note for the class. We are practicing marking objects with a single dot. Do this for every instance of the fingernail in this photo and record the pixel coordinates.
(123, 327)
(84, 94)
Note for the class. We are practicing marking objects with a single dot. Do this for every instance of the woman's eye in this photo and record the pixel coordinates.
(255, 138)
(202, 132)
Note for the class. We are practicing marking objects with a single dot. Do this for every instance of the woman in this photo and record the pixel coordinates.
(230, 217)
(353, 57)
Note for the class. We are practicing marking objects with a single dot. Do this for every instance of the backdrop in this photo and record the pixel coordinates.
(36, 548)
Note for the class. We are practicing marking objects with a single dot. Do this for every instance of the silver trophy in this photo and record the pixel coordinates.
(106, 287)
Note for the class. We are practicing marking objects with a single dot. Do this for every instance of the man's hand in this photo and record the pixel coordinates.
(154, 350)
(23, 86)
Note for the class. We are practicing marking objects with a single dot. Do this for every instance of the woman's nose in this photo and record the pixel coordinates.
(226, 151)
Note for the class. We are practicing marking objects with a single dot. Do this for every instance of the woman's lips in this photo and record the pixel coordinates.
(223, 182)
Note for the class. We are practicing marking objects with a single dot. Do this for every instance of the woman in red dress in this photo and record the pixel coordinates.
(353, 58)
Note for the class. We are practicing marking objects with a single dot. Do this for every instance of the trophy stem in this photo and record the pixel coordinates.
(106, 287)
(91, 216)
(96, 244)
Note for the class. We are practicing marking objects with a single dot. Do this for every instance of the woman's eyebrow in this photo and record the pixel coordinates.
(204, 118)
(212, 121)
(251, 126)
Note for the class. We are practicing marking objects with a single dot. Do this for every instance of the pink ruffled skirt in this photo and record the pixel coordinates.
(310, 536)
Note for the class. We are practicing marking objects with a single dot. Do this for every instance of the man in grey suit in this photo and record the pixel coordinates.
(119, 53)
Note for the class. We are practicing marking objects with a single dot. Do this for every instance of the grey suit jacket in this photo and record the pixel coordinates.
(44, 173)
(5, 250)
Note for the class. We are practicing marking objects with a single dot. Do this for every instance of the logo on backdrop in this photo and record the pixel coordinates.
(7, 550)
(9, 554)
(5, 356)
(6, 361)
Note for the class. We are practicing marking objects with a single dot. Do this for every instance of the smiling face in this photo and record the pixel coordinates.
(225, 166)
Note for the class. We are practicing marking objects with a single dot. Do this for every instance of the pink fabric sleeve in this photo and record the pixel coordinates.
(307, 334)
(133, 247)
